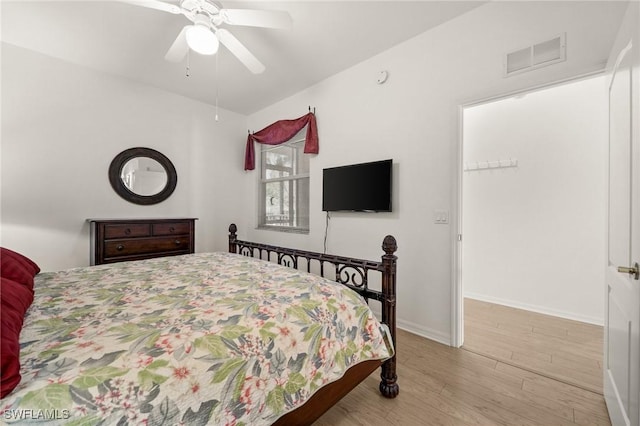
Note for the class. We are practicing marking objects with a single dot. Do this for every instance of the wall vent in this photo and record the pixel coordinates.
(536, 56)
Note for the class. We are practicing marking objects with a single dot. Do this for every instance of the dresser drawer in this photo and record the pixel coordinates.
(139, 246)
(119, 240)
(127, 230)
(176, 228)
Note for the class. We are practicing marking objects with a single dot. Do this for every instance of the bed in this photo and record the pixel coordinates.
(243, 337)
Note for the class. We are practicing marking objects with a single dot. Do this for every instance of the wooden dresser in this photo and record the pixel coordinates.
(117, 240)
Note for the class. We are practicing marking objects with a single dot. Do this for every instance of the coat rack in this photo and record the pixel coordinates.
(488, 165)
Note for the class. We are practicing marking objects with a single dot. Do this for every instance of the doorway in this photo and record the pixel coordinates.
(532, 224)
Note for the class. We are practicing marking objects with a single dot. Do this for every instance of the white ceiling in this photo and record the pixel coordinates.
(131, 41)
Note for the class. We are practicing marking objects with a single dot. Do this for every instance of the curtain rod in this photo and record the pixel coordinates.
(314, 111)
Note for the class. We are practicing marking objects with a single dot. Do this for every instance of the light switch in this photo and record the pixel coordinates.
(441, 217)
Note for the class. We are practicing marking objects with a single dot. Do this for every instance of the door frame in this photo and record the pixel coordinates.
(457, 237)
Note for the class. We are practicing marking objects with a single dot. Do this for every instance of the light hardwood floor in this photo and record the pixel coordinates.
(441, 385)
(568, 351)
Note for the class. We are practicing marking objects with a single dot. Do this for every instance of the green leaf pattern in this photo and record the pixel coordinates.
(212, 338)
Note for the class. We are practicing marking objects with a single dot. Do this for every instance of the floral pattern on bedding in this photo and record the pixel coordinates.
(212, 338)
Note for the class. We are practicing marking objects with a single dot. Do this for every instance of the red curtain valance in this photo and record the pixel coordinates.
(280, 132)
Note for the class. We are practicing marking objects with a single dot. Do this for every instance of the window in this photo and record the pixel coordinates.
(284, 187)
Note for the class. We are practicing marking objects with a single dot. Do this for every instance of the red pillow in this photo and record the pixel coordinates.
(28, 263)
(15, 299)
(17, 267)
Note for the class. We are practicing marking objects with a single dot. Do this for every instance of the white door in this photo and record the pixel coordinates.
(622, 317)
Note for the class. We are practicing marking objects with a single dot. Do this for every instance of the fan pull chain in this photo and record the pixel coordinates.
(217, 86)
(188, 72)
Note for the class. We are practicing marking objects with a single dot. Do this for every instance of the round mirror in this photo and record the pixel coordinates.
(142, 176)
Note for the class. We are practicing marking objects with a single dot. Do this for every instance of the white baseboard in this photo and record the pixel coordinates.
(428, 333)
(414, 328)
(536, 308)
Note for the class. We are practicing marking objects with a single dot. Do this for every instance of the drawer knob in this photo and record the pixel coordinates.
(127, 231)
(177, 242)
(172, 229)
(120, 247)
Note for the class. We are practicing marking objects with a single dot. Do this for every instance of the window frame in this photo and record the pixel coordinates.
(297, 143)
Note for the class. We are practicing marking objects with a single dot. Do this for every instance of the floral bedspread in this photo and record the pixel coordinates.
(211, 338)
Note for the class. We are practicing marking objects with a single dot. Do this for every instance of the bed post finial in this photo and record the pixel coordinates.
(389, 245)
(389, 383)
(233, 238)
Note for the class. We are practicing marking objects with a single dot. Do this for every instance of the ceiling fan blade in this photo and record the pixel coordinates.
(179, 48)
(240, 52)
(257, 18)
(155, 4)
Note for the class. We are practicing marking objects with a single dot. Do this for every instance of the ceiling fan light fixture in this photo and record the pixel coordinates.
(202, 40)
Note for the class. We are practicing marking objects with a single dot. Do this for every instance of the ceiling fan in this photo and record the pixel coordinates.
(205, 34)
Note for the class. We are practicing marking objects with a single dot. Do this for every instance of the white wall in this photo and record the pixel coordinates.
(61, 127)
(533, 235)
(413, 118)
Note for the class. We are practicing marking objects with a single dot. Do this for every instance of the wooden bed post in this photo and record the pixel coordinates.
(233, 238)
(389, 383)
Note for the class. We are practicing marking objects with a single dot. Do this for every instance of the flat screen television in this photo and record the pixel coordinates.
(362, 187)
